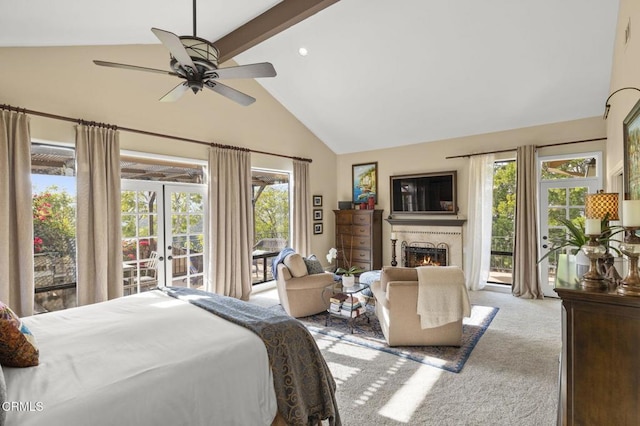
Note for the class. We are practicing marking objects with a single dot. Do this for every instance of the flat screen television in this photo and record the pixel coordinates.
(425, 193)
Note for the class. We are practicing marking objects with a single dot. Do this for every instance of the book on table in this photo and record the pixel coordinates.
(338, 298)
(351, 304)
(352, 312)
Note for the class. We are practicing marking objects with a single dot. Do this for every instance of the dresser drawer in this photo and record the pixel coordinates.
(343, 219)
(366, 266)
(361, 219)
(361, 242)
(343, 230)
(360, 255)
(360, 230)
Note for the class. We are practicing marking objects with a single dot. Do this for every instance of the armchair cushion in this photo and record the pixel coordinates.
(302, 296)
(313, 265)
(396, 307)
(296, 265)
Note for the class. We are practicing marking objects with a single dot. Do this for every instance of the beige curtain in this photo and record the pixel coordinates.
(301, 210)
(231, 223)
(526, 282)
(99, 246)
(16, 215)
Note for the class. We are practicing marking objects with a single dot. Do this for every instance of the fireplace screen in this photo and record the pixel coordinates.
(424, 254)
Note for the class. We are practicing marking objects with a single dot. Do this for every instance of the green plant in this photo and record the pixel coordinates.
(349, 272)
(576, 238)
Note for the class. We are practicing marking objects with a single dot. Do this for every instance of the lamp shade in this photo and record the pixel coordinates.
(600, 204)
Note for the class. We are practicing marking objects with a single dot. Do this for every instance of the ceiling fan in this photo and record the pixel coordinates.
(195, 61)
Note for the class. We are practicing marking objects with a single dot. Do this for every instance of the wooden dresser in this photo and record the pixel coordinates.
(600, 364)
(359, 238)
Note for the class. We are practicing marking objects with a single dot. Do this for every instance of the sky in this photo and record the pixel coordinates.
(41, 182)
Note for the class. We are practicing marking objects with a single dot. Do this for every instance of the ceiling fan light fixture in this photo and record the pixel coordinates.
(199, 48)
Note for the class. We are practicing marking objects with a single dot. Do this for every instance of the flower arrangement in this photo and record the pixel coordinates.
(333, 253)
(349, 270)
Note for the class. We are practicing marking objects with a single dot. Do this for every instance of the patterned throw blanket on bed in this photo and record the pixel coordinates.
(304, 386)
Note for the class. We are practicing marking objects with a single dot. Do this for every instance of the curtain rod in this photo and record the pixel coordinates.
(143, 132)
(515, 149)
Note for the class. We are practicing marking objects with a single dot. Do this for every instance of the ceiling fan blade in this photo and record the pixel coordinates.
(133, 67)
(264, 69)
(230, 93)
(175, 93)
(174, 45)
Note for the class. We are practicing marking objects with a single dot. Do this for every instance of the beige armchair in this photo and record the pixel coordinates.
(396, 296)
(303, 296)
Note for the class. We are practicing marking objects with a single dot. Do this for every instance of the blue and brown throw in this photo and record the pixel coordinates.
(305, 395)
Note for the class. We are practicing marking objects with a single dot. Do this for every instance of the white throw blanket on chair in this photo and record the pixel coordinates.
(442, 295)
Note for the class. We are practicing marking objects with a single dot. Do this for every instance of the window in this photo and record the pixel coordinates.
(271, 219)
(54, 226)
(502, 231)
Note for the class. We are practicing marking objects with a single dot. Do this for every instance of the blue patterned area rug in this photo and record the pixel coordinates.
(369, 334)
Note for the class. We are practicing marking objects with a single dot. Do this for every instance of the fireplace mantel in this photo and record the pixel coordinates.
(427, 222)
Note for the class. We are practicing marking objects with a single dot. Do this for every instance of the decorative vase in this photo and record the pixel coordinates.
(582, 264)
(348, 280)
(371, 203)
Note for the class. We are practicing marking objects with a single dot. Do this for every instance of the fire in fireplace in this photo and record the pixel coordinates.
(424, 254)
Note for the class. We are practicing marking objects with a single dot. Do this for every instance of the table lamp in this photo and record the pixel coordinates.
(604, 206)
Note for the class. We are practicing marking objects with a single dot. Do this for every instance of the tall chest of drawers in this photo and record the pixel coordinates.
(359, 238)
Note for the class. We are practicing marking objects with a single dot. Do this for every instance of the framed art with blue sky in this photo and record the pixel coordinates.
(365, 182)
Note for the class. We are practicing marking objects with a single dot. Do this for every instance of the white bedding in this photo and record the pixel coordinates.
(146, 359)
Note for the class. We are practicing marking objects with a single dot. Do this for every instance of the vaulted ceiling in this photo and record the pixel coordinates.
(379, 73)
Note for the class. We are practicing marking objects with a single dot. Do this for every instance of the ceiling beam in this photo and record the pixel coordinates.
(285, 14)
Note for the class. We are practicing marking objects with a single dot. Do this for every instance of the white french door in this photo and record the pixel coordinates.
(564, 182)
(163, 235)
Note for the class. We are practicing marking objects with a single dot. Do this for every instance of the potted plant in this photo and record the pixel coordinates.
(575, 238)
(348, 275)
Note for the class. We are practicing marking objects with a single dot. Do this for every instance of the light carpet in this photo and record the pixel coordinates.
(510, 378)
(367, 332)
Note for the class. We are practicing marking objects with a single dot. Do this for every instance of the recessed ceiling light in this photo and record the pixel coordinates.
(303, 51)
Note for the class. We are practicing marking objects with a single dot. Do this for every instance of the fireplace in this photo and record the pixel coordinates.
(424, 254)
(429, 234)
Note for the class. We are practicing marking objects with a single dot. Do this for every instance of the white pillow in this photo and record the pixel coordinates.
(296, 265)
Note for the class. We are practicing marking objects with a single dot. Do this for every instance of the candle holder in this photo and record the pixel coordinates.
(630, 285)
(393, 252)
(594, 250)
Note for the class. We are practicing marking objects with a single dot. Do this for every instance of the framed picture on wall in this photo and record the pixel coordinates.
(317, 201)
(364, 182)
(317, 228)
(631, 126)
(317, 214)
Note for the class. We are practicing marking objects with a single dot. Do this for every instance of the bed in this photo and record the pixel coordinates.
(162, 357)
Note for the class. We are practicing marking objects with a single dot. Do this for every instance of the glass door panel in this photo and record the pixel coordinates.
(163, 235)
(186, 251)
(564, 186)
(141, 222)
